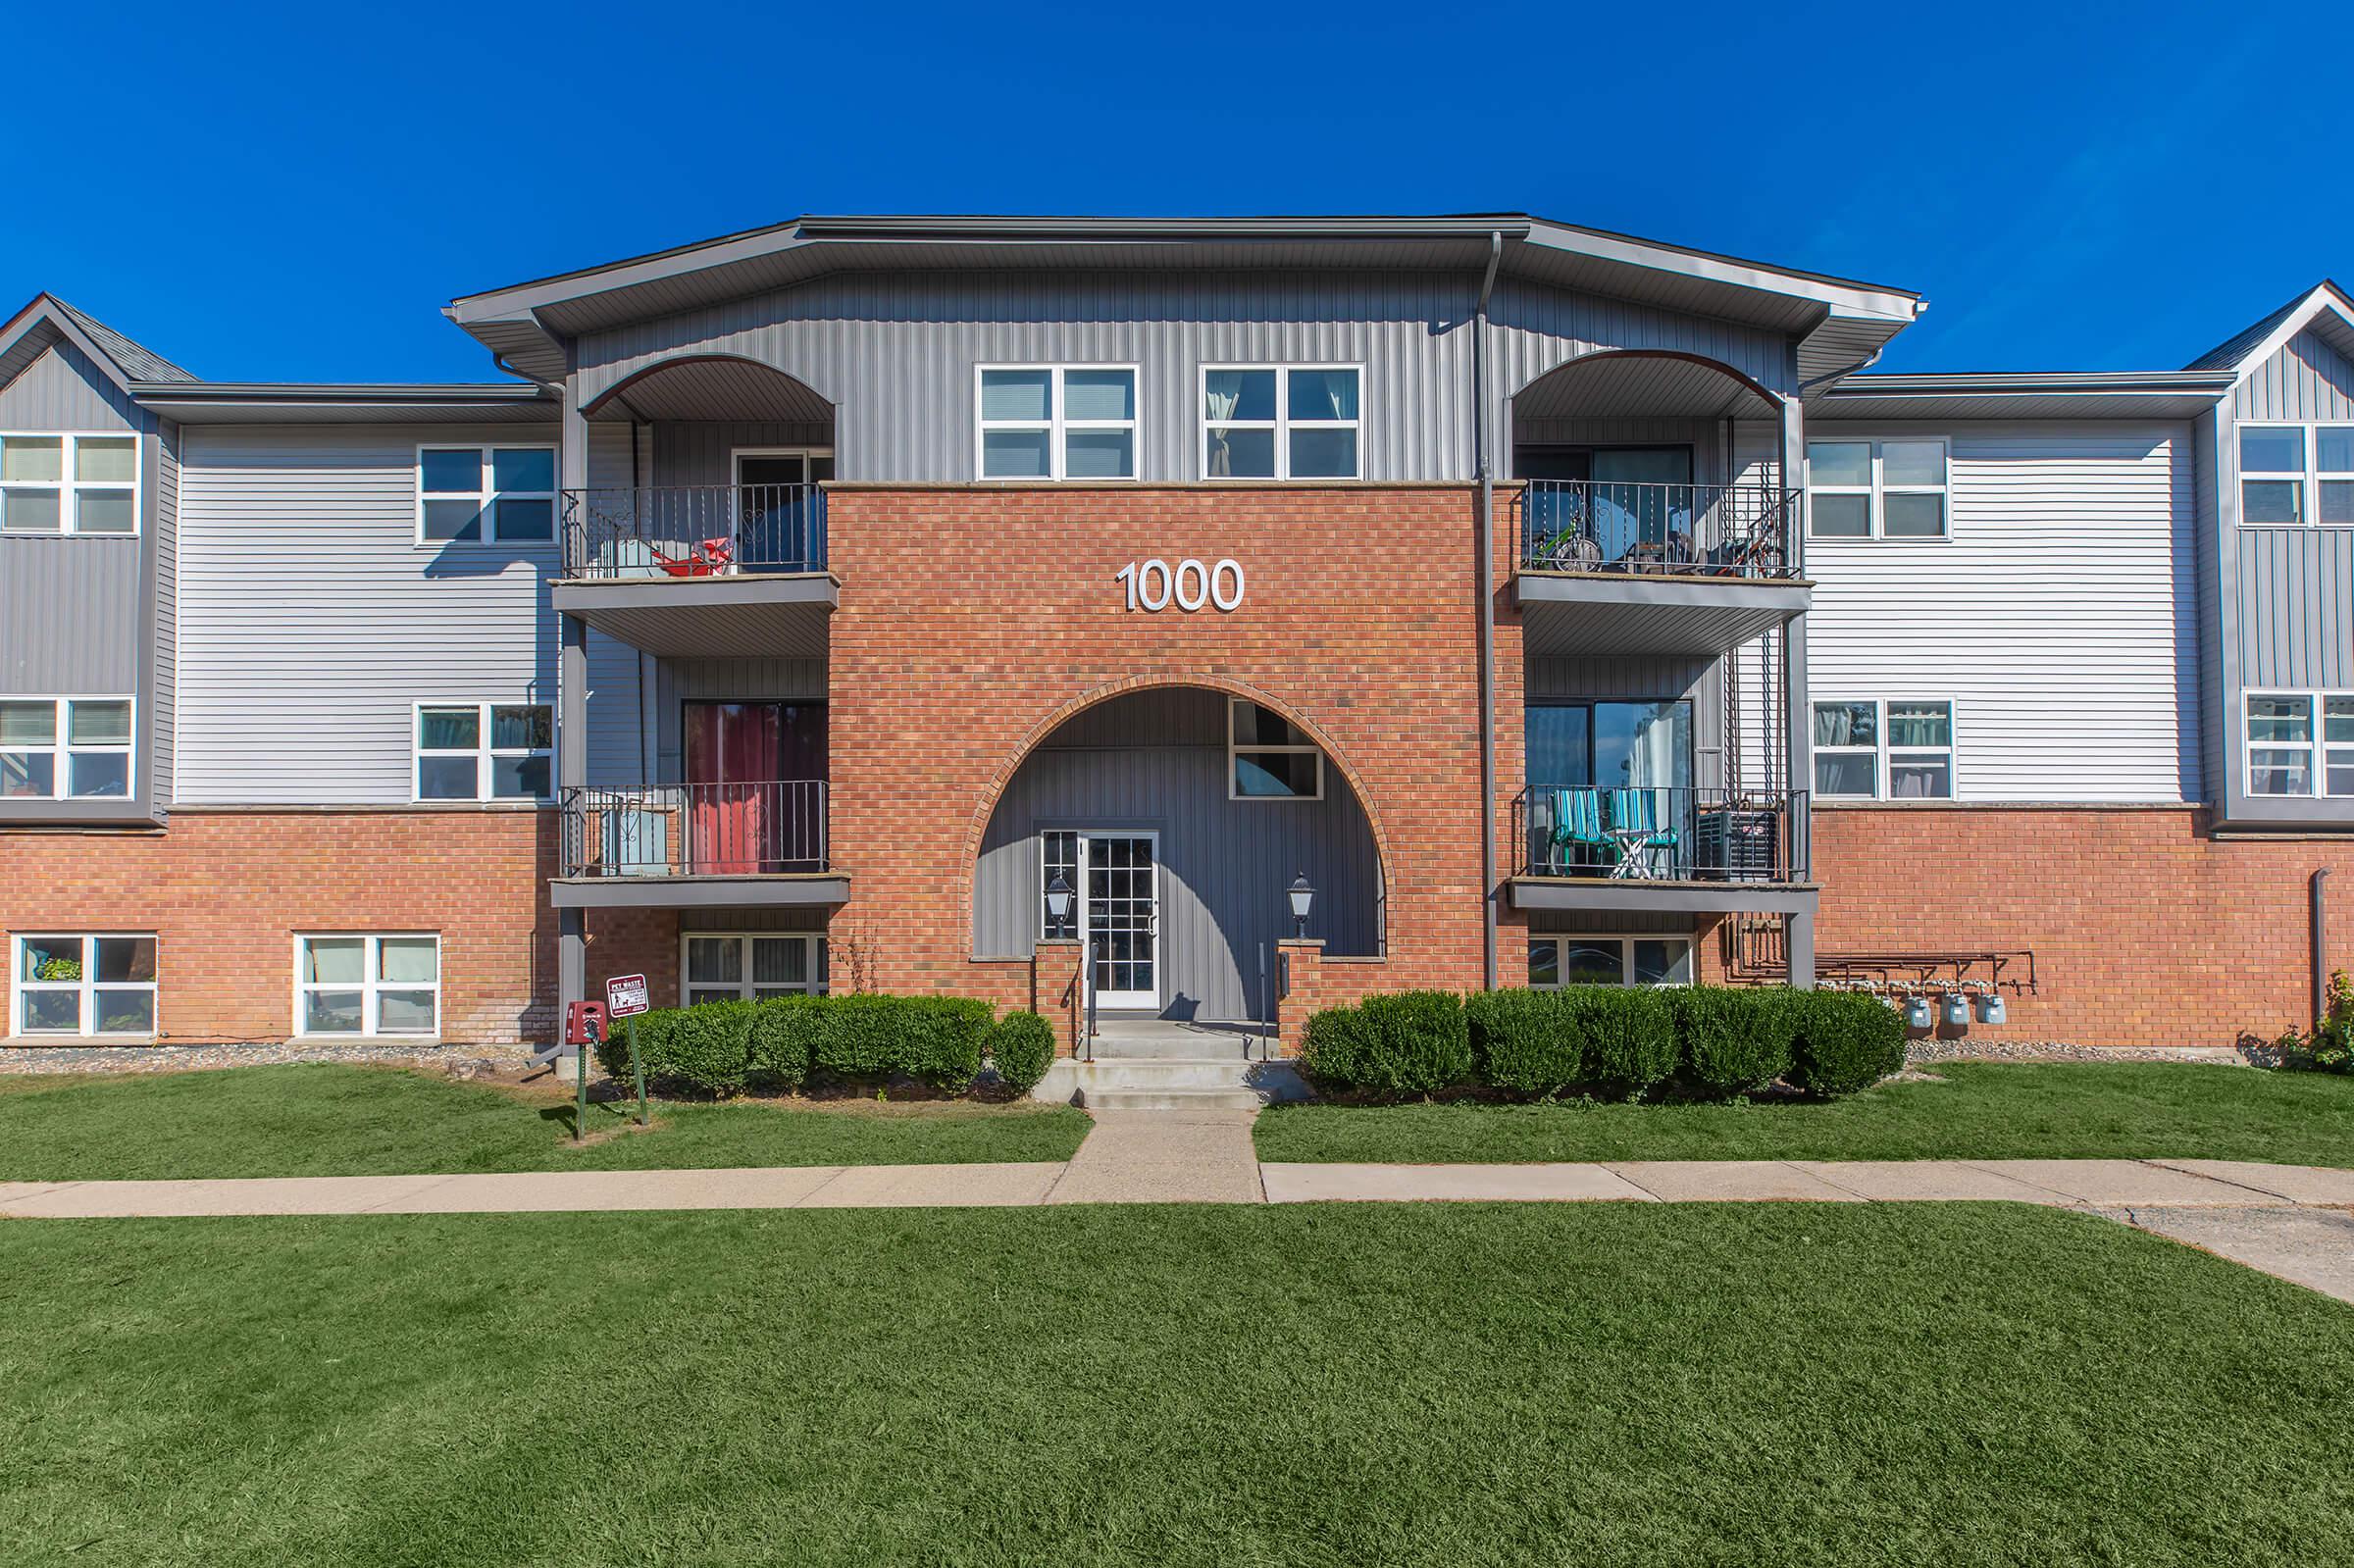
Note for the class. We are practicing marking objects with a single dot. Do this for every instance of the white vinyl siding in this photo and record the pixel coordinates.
(310, 623)
(2058, 617)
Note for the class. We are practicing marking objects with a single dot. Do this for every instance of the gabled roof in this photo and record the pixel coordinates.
(46, 321)
(1837, 322)
(2324, 304)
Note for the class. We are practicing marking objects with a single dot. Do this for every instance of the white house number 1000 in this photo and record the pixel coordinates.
(1152, 585)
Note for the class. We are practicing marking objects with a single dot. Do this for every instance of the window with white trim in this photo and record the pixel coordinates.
(1584, 960)
(68, 484)
(1268, 757)
(1896, 749)
(485, 494)
(66, 748)
(484, 751)
(1055, 421)
(2289, 754)
(1896, 489)
(83, 984)
(1281, 422)
(754, 965)
(367, 985)
(2294, 475)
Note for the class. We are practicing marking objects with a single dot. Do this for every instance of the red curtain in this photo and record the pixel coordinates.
(750, 768)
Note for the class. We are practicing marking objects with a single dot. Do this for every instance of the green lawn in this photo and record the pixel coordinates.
(1448, 1385)
(1981, 1110)
(326, 1120)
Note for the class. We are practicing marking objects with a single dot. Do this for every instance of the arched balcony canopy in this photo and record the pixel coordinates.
(711, 387)
(1640, 384)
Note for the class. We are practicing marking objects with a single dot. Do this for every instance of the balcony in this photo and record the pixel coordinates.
(1662, 849)
(700, 844)
(1609, 568)
(701, 571)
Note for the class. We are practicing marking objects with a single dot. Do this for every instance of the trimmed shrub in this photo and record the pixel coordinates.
(1625, 1032)
(1414, 1042)
(1734, 1039)
(784, 1030)
(1522, 1042)
(940, 1039)
(1845, 1041)
(856, 1037)
(1335, 1046)
(1021, 1047)
(705, 1048)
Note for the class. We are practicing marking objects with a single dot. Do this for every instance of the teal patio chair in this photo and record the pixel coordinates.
(1578, 833)
(1640, 831)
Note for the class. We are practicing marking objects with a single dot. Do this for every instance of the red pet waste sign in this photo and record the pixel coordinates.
(625, 994)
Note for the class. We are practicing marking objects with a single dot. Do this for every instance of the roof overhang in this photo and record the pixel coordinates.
(2026, 394)
(294, 403)
(1837, 323)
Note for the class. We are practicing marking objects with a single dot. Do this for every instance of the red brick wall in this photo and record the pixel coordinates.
(225, 894)
(2145, 931)
(973, 621)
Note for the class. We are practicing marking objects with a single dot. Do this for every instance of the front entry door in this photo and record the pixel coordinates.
(1121, 873)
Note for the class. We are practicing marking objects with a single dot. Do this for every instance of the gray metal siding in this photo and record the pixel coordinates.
(70, 615)
(63, 390)
(2207, 531)
(894, 354)
(310, 620)
(2307, 380)
(703, 453)
(1157, 761)
(163, 709)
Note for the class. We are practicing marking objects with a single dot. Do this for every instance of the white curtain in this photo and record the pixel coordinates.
(1219, 401)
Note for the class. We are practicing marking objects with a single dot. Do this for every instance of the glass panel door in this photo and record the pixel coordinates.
(1123, 921)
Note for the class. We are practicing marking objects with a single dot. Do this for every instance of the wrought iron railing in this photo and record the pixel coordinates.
(703, 830)
(694, 531)
(1735, 531)
(1656, 832)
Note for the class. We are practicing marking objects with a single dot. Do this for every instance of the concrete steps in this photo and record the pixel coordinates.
(1169, 1100)
(1161, 1082)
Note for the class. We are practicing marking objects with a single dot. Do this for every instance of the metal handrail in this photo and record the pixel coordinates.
(1662, 833)
(694, 531)
(702, 829)
(1737, 531)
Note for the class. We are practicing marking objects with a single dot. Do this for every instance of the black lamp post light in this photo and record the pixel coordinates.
(1304, 899)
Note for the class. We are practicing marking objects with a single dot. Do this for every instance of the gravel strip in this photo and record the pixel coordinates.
(2042, 1050)
(459, 1061)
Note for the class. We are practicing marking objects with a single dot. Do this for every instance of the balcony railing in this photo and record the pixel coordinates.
(703, 830)
(1733, 531)
(694, 531)
(1651, 832)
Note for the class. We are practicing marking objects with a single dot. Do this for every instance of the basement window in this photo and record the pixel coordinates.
(1583, 960)
(83, 984)
(367, 985)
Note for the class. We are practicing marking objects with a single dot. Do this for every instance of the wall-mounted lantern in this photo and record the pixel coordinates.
(1058, 901)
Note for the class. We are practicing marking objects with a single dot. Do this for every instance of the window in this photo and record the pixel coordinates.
(1581, 960)
(2282, 743)
(65, 748)
(1057, 421)
(1269, 758)
(83, 986)
(367, 985)
(485, 494)
(750, 966)
(1280, 422)
(69, 484)
(2292, 475)
(1899, 750)
(1609, 746)
(1891, 489)
(485, 751)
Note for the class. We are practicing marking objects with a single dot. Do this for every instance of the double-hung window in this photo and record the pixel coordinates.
(1890, 490)
(1582, 960)
(1268, 757)
(750, 966)
(485, 494)
(362, 985)
(485, 751)
(2300, 743)
(83, 984)
(1896, 749)
(1056, 421)
(2294, 474)
(1282, 422)
(65, 748)
(69, 484)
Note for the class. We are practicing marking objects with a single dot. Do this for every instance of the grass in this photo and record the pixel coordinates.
(1978, 1110)
(1398, 1384)
(330, 1120)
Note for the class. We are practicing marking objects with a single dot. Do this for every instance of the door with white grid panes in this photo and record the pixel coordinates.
(1121, 873)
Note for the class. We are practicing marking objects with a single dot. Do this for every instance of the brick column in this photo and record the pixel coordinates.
(1055, 990)
(1303, 989)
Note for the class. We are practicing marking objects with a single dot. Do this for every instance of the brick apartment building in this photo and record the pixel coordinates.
(811, 607)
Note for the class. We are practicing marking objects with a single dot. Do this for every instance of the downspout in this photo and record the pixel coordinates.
(2320, 947)
(1484, 537)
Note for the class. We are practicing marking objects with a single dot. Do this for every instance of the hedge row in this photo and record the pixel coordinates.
(774, 1047)
(1614, 1039)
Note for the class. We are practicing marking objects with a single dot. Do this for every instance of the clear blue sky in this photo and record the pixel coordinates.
(293, 192)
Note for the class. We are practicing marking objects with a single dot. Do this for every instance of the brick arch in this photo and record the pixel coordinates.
(1031, 738)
